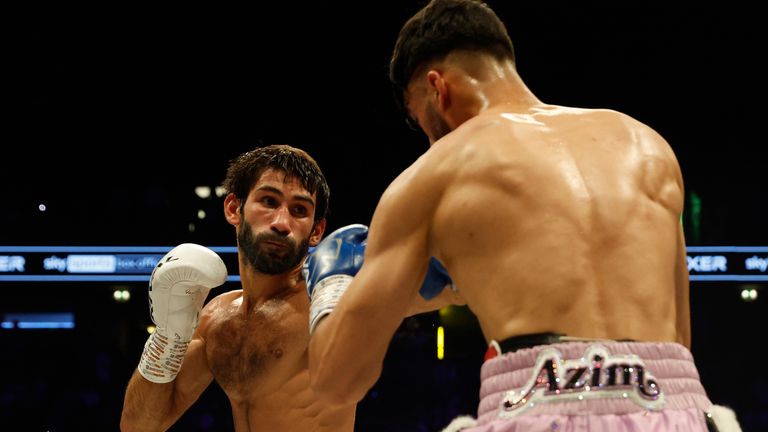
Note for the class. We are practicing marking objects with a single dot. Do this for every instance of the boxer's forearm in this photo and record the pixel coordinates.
(150, 406)
(342, 372)
(147, 406)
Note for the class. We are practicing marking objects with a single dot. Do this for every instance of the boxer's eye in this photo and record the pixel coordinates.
(269, 201)
(300, 211)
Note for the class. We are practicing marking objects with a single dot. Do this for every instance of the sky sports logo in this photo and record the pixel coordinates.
(109, 264)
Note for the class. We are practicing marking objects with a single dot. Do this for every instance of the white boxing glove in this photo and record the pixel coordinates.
(177, 290)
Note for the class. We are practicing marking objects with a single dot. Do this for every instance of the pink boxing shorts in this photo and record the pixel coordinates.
(597, 386)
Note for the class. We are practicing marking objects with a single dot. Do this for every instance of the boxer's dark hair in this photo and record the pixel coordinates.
(441, 27)
(245, 170)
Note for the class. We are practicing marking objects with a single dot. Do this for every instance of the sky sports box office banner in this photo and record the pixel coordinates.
(745, 264)
(135, 263)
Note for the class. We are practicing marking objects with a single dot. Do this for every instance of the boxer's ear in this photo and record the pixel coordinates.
(232, 209)
(317, 232)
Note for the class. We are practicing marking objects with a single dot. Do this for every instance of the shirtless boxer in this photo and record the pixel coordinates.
(559, 226)
(252, 341)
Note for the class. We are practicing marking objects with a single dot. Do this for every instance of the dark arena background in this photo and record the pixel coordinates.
(120, 121)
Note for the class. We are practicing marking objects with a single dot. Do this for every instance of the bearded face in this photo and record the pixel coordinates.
(270, 252)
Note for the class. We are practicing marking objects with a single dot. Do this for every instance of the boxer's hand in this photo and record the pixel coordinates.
(177, 290)
(436, 280)
(331, 267)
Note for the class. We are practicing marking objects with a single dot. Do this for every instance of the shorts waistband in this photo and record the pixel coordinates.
(496, 348)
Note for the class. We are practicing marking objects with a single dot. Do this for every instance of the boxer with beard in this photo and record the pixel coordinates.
(252, 341)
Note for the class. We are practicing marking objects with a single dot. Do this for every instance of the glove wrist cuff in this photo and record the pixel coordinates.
(162, 357)
(325, 297)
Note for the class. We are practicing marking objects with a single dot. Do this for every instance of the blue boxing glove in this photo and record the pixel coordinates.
(436, 280)
(330, 267)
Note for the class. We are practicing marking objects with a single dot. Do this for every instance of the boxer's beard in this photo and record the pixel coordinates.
(265, 261)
